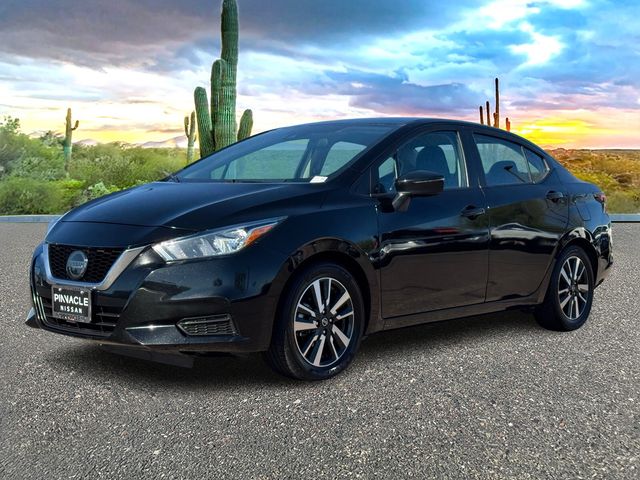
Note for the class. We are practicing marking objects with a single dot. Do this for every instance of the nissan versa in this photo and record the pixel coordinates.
(300, 241)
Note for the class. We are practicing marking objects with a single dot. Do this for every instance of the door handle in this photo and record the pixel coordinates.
(554, 196)
(472, 212)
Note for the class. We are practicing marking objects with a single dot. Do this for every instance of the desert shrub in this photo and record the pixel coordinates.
(101, 163)
(44, 165)
(98, 190)
(23, 156)
(603, 180)
(30, 196)
(623, 202)
(121, 167)
(156, 163)
(71, 193)
(616, 172)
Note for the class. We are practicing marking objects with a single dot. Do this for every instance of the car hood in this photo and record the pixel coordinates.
(197, 206)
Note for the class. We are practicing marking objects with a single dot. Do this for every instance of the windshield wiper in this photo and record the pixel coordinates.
(244, 180)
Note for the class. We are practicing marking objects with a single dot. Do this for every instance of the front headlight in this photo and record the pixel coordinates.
(215, 242)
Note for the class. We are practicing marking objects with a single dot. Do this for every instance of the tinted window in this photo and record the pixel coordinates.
(299, 153)
(275, 161)
(537, 166)
(339, 155)
(503, 162)
(437, 152)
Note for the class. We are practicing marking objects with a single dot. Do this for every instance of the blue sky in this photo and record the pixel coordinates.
(569, 69)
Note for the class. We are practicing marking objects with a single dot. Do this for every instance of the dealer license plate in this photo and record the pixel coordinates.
(71, 304)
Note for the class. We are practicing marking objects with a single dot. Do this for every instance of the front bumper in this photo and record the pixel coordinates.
(224, 304)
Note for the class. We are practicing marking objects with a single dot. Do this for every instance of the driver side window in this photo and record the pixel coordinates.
(438, 152)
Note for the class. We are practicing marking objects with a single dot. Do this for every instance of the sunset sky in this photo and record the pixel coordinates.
(569, 69)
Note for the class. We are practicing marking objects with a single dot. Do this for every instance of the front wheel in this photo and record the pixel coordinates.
(568, 300)
(320, 324)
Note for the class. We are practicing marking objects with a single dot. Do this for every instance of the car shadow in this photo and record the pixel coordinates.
(469, 330)
(225, 371)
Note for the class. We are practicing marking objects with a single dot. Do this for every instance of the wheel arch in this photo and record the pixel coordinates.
(351, 258)
(580, 237)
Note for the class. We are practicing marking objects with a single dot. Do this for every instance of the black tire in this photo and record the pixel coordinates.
(562, 313)
(288, 347)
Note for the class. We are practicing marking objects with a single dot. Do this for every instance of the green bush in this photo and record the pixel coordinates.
(98, 190)
(623, 202)
(30, 196)
(123, 167)
(27, 157)
(33, 178)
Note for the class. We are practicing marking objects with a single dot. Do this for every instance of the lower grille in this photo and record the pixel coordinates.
(103, 321)
(214, 325)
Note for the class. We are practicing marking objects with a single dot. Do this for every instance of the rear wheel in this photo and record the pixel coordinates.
(320, 324)
(568, 300)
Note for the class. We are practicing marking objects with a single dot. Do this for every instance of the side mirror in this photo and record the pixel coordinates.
(419, 183)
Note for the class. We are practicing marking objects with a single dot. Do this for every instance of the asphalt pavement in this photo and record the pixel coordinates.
(484, 397)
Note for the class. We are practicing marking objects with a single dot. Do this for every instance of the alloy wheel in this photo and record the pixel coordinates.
(573, 287)
(323, 322)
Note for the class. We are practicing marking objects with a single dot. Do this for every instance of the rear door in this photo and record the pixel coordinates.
(435, 254)
(528, 213)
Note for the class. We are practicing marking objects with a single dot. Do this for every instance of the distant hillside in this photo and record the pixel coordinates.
(616, 171)
(89, 142)
(175, 142)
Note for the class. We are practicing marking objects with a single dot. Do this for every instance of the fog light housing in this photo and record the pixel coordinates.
(208, 325)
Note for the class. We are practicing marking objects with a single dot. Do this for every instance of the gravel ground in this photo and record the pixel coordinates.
(485, 397)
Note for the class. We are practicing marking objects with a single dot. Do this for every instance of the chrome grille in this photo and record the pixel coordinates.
(100, 261)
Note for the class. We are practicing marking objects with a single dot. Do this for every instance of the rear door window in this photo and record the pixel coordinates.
(503, 161)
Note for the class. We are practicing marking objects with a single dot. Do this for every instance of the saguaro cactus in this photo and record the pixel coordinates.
(496, 114)
(217, 124)
(190, 132)
(68, 133)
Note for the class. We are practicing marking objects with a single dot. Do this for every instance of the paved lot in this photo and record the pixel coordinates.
(486, 397)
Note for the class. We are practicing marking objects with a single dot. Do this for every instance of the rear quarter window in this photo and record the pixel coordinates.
(537, 166)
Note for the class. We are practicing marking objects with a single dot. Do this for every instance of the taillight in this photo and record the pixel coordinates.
(602, 198)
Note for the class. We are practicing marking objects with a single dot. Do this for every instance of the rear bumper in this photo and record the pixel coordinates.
(225, 304)
(603, 245)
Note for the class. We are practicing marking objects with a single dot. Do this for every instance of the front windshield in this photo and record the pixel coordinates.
(306, 153)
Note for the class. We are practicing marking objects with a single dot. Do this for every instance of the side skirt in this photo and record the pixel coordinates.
(460, 312)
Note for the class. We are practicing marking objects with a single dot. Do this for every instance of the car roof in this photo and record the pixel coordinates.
(400, 122)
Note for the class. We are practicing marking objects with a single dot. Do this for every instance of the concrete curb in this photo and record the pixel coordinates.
(625, 217)
(615, 217)
(27, 218)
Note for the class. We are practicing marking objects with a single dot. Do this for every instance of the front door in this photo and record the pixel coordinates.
(434, 255)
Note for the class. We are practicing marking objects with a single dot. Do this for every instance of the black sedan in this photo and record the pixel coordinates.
(300, 241)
